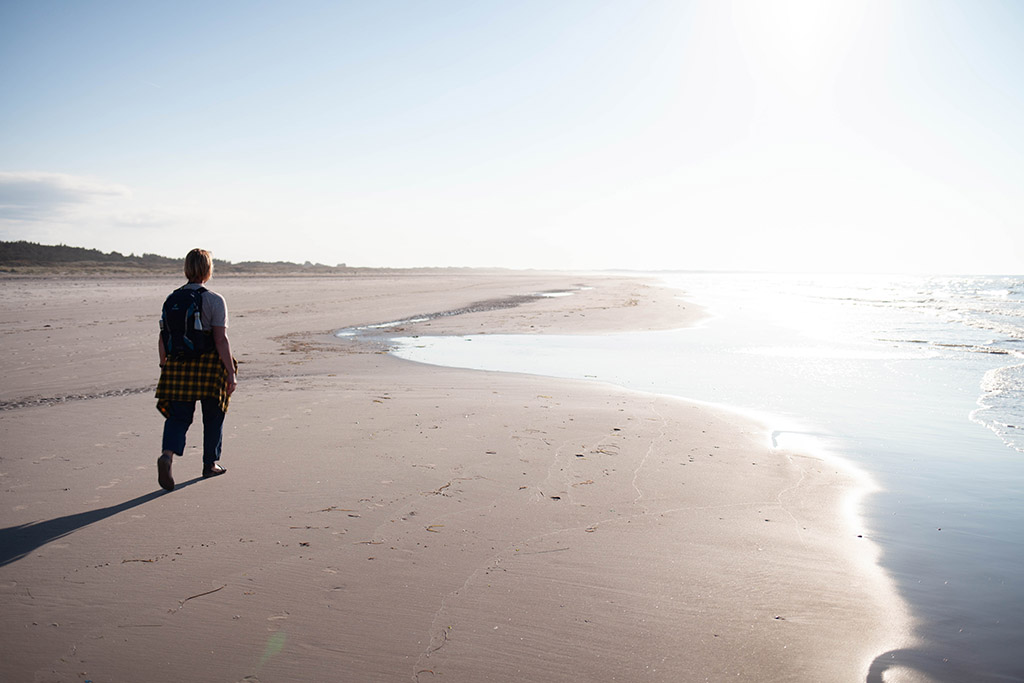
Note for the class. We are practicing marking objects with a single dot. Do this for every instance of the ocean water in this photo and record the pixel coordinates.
(919, 381)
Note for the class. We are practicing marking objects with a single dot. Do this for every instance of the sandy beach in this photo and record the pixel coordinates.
(388, 521)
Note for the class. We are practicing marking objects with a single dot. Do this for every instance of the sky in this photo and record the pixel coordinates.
(769, 135)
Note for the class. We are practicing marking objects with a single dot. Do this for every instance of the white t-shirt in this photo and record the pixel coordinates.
(215, 309)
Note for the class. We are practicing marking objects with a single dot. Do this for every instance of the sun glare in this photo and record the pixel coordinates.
(795, 44)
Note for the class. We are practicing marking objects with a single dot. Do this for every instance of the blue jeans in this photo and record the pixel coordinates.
(179, 420)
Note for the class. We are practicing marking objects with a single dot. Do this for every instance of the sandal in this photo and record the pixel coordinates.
(163, 473)
(213, 471)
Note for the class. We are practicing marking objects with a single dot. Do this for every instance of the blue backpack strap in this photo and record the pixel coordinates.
(199, 299)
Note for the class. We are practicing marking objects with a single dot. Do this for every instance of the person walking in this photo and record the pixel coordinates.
(195, 365)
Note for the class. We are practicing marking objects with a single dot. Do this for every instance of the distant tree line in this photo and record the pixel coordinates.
(17, 256)
(31, 254)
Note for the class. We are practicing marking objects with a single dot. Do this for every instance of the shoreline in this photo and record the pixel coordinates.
(390, 520)
(904, 660)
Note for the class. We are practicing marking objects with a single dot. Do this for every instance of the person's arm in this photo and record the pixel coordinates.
(223, 346)
(162, 351)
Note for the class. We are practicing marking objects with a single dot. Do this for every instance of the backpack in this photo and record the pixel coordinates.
(180, 324)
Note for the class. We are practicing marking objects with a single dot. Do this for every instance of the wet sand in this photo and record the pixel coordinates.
(383, 520)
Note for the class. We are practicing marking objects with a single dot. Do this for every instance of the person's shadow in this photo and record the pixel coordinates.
(18, 541)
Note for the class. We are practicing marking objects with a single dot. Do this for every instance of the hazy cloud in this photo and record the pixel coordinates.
(151, 218)
(40, 196)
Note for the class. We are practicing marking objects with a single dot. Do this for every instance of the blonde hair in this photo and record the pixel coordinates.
(198, 265)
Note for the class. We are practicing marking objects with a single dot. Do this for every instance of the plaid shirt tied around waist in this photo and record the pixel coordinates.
(192, 379)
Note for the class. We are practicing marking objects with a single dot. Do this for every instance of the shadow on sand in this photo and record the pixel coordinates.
(18, 541)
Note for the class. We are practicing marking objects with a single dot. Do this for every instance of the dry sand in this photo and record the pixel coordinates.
(388, 521)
